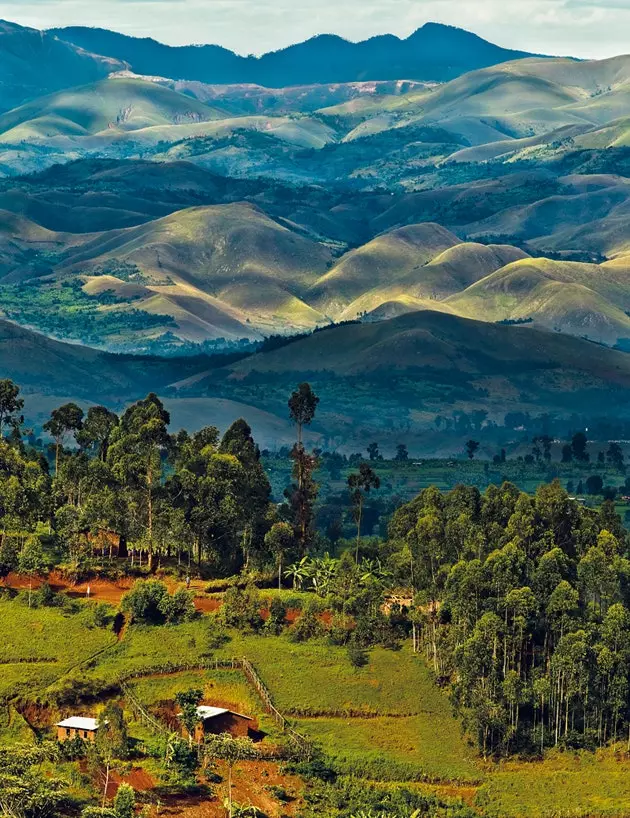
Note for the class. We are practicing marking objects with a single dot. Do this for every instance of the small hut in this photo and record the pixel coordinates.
(105, 542)
(216, 720)
(77, 727)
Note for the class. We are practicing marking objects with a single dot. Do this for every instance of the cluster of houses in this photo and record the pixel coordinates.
(212, 721)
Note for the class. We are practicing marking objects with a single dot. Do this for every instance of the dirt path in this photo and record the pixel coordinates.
(104, 590)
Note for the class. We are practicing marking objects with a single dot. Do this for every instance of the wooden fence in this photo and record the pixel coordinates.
(141, 713)
(303, 746)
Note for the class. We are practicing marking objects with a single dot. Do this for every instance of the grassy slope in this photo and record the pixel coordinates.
(579, 299)
(426, 744)
(40, 645)
(121, 105)
(221, 264)
(443, 341)
(390, 256)
(40, 364)
(425, 284)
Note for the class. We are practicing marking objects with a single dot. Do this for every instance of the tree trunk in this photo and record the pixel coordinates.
(359, 516)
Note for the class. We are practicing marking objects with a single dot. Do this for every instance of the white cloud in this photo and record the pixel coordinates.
(589, 28)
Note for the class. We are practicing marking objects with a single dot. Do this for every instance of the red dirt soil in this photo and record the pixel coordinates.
(138, 778)
(103, 590)
(250, 781)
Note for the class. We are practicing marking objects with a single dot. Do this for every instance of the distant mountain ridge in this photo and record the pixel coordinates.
(434, 52)
(33, 63)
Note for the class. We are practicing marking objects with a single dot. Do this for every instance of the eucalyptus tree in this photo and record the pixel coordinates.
(63, 421)
(137, 448)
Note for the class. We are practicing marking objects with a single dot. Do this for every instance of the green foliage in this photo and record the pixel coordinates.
(308, 625)
(25, 789)
(65, 310)
(522, 604)
(149, 602)
(125, 801)
(241, 608)
(112, 740)
(358, 799)
(189, 701)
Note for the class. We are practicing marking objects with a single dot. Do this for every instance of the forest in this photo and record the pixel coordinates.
(520, 602)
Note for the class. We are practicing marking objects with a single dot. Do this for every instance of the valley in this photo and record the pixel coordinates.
(314, 424)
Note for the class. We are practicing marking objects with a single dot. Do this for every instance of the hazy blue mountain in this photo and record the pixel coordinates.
(35, 62)
(433, 52)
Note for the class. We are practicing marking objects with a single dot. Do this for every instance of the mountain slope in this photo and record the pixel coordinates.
(433, 52)
(578, 299)
(229, 265)
(438, 341)
(383, 260)
(41, 364)
(427, 286)
(33, 63)
(113, 105)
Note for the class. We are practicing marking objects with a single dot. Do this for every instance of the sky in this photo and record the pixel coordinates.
(581, 28)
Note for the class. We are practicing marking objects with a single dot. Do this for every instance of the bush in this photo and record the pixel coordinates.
(308, 626)
(98, 615)
(72, 749)
(149, 602)
(277, 616)
(216, 638)
(241, 608)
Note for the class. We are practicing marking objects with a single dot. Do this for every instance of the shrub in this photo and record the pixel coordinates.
(308, 626)
(149, 602)
(277, 616)
(241, 608)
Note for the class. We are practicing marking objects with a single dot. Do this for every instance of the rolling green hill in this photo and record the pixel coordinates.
(426, 286)
(437, 341)
(115, 105)
(384, 259)
(579, 299)
(387, 380)
(224, 271)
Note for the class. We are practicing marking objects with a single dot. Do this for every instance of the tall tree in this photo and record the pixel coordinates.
(280, 540)
(360, 483)
(136, 449)
(231, 750)
(11, 404)
(471, 448)
(67, 418)
(302, 406)
(97, 428)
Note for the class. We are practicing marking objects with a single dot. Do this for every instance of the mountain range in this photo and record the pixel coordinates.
(468, 231)
(433, 52)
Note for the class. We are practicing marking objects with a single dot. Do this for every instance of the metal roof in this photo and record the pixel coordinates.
(79, 723)
(205, 712)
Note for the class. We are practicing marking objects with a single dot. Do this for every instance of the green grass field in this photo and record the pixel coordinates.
(564, 785)
(39, 646)
(428, 746)
(414, 737)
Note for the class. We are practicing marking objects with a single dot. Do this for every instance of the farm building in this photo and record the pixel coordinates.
(77, 726)
(105, 542)
(216, 720)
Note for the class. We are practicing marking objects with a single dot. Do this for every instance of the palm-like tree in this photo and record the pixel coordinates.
(323, 573)
(299, 572)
